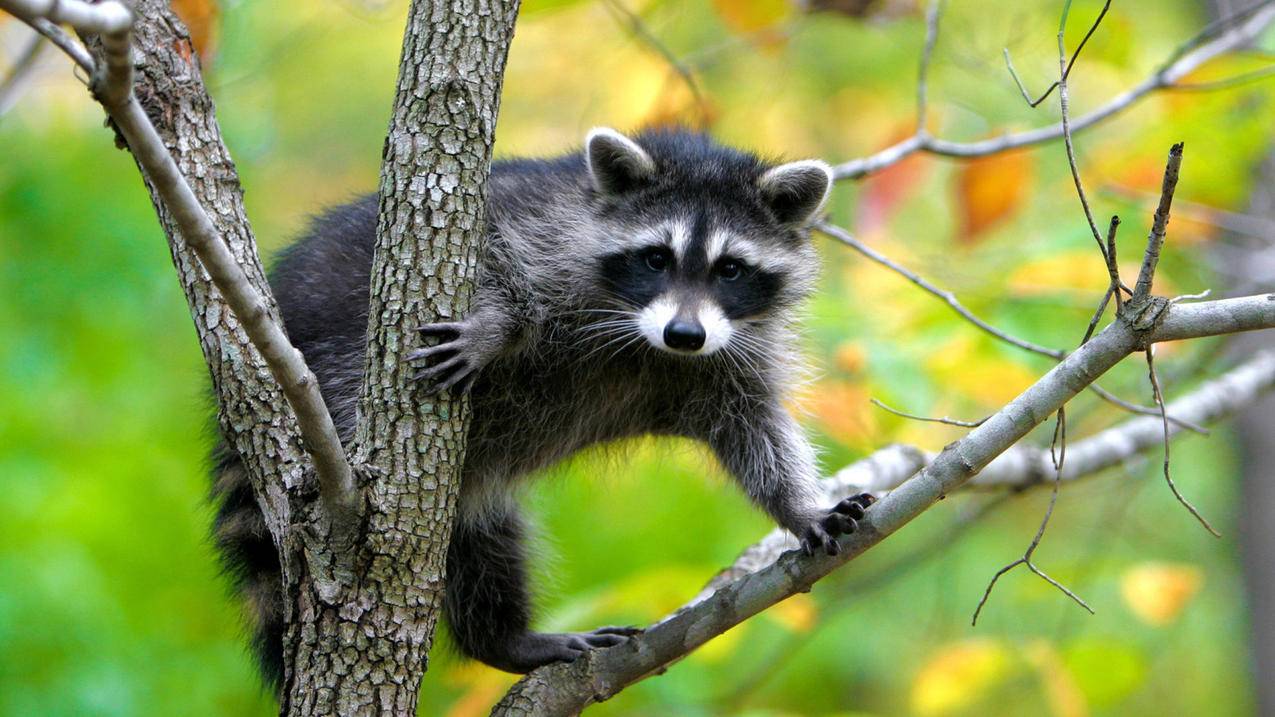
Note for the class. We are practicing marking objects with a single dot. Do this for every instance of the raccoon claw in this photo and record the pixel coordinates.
(458, 357)
(840, 519)
(536, 649)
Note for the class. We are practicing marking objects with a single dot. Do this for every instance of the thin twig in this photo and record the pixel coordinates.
(1063, 104)
(20, 73)
(946, 420)
(1066, 72)
(1058, 459)
(1217, 39)
(849, 240)
(932, 17)
(845, 237)
(1168, 478)
(61, 40)
(639, 30)
(1159, 225)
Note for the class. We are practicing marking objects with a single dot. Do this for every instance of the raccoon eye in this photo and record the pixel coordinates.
(657, 259)
(729, 270)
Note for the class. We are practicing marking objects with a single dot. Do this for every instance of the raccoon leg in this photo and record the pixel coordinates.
(465, 347)
(487, 604)
(772, 459)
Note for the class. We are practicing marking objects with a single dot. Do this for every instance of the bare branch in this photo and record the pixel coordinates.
(113, 87)
(1226, 83)
(929, 419)
(1216, 40)
(565, 689)
(845, 237)
(100, 18)
(1168, 478)
(932, 17)
(1024, 467)
(63, 41)
(1009, 64)
(1159, 224)
(13, 84)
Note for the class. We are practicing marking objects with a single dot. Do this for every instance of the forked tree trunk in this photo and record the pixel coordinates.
(362, 596)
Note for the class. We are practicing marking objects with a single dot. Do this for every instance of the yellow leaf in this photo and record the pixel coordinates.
(1158, 592)
(1065, 697)
(722, 646)
(798, 613)
(957, 675)
(1080, 271)
(749, 16)
(989, 189)
(676, 105)
(981, 375)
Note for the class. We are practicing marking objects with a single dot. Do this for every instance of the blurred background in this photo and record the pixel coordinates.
(110, 600)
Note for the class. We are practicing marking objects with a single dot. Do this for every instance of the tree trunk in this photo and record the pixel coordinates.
(362, 598)
(432, 218)
(252, 411)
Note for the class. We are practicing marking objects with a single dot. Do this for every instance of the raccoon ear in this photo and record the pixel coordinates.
(616, 163)
(797, 191)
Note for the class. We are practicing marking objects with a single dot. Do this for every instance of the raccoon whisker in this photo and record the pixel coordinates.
(748, 361)
(623, 337)
(625, 345)
(594, 332)
(601, 311)
(628, 321)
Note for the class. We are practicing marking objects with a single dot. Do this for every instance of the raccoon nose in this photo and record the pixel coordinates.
(684, 335)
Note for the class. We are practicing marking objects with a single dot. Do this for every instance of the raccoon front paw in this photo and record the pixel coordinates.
(462, 351)
(840, 519)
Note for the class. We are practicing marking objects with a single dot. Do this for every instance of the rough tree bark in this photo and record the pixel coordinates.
(364, 584)
(252, 410)
(380, 602)
(362, 578)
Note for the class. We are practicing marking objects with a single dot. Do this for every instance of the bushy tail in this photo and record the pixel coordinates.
(249, 558)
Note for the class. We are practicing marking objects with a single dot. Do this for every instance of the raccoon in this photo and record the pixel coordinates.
(642, 286)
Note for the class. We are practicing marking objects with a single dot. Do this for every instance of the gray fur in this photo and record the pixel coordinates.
(554, 358)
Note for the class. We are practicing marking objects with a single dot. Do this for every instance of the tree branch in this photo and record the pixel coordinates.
(565, 689)
(112, 84)
(1217, 39)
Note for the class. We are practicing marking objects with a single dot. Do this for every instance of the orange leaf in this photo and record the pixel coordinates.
(989, 189)
(843, 411)
(1158, 592)
(886, 190)
(200, 17)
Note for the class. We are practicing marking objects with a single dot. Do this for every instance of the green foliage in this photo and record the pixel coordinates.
(111, 602)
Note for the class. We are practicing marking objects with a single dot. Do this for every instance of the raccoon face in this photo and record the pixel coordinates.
(702, 243)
